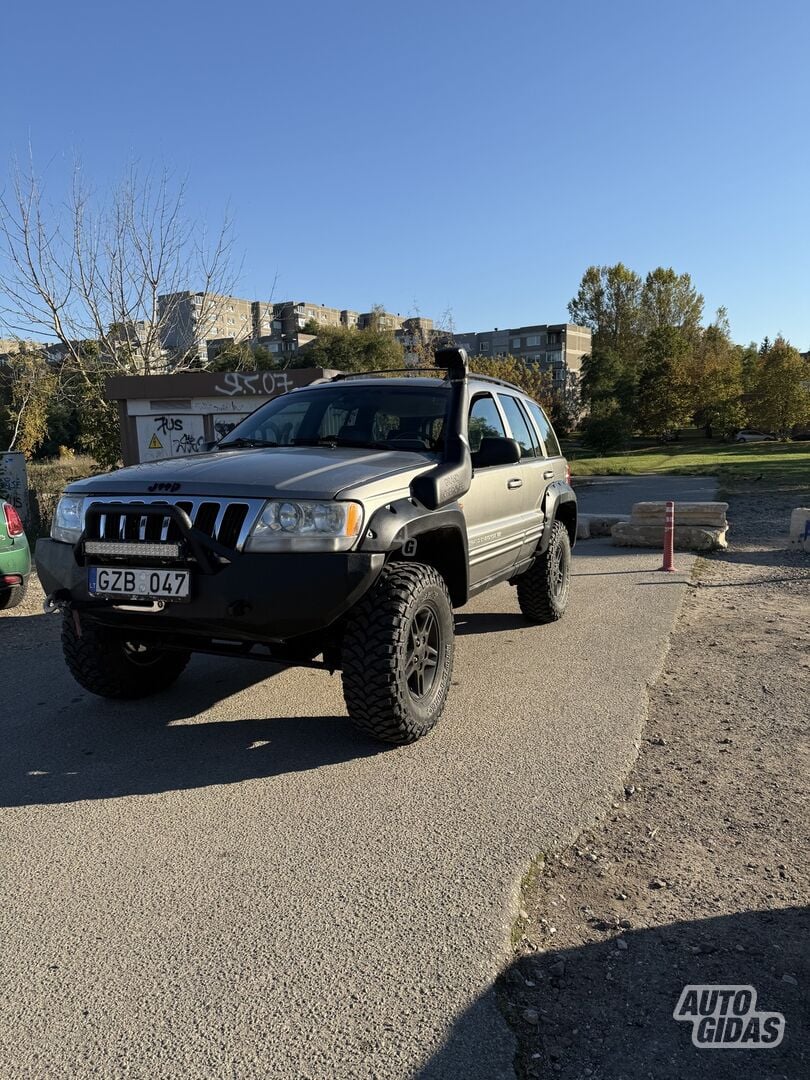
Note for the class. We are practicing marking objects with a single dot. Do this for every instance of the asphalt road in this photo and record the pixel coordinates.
(226, 881)
(616, 494)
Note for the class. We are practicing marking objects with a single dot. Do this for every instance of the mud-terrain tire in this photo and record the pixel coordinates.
(398, 640)
(13, 597)
(543, 590)
(112, 668)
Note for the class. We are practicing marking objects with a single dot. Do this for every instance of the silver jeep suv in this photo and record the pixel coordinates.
(336, 527)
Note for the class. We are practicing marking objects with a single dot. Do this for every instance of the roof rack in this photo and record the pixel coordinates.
(495, 379)
(383, 371)
(451, 360)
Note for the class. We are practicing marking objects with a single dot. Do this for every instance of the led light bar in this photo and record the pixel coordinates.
(144, 551)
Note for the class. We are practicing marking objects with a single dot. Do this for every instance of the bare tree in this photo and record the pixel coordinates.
(114, 270)
(422, 340)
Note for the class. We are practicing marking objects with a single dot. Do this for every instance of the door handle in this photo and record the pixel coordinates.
(514, 484)
(547, 475)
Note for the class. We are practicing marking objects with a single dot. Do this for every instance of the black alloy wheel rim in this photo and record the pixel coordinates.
(422, 652)
(558, 568)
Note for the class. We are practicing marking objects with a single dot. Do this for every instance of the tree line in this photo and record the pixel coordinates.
(655, 368)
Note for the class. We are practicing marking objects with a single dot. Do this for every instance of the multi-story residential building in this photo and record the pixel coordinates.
(190, 320)
(280, 326)
(557, 347)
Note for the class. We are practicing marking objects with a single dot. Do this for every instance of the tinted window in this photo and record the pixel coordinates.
(485, 422)
(545, 429)
(519, 425)
(395, 417)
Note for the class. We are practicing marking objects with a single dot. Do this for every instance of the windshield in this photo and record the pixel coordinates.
(378, 417)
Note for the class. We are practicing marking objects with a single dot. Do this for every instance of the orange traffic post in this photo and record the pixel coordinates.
(669, 538)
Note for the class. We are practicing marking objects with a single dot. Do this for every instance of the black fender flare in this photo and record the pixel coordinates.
(558, 494)
(397, 526)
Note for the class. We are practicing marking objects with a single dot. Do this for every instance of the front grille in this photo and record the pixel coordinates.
(227, 521)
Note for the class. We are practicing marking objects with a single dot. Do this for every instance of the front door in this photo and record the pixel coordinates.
(494, 505)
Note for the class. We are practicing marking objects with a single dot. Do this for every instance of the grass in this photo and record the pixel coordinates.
(781, 462)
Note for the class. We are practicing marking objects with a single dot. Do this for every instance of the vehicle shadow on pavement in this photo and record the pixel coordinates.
(61, 744)
(490, 622)
(605, 1013)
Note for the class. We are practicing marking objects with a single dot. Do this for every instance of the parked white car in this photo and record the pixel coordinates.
(746, 435)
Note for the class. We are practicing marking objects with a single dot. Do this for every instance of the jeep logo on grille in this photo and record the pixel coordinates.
(170, 488)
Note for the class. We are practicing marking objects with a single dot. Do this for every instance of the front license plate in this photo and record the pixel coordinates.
(139, 583)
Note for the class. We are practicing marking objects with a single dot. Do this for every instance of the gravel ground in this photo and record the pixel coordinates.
(700, 872)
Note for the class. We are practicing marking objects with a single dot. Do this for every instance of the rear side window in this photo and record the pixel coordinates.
(545, 429)
(485, 422)
(519, 425)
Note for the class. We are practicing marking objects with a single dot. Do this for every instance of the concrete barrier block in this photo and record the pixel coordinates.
(800, 528)
(687, 537)
(686, 513)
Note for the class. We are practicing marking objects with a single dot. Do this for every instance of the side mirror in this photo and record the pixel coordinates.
(495, 450)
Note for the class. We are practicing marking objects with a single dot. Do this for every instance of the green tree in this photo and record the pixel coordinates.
(607, 428)
(531, 378)
(664, 399)
(28, 387)
(608, 302)
(670, 300)
(346, 348)
(714, 373)
(780, 398)
(242, 356)
(82, 385)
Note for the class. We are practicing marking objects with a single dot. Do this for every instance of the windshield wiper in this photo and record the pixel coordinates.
(334, 441)
(242, 442)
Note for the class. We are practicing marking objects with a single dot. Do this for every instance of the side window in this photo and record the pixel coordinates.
(545, 429)
(519, 425)
(485, 422)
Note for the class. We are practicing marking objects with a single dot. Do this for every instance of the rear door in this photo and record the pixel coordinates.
(536, 470)
(494, 505)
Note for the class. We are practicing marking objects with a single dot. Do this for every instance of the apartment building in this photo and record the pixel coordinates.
(190, 320)
(280, 326)
(557, 347)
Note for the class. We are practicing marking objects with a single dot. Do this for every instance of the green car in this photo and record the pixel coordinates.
(15, 557)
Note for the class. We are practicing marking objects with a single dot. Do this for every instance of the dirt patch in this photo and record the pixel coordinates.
(700, 872)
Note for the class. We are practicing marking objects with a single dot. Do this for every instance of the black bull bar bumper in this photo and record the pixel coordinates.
(246, 596)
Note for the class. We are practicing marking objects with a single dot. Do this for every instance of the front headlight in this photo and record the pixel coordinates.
(68, 521)
(295, 525)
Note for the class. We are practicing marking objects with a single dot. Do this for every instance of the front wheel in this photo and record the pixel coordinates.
(113, 668)
(398, 654)
(544, 589)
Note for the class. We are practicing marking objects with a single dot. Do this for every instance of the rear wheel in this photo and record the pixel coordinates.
(398, 654)
(13, 597)
(544, 589)
(113, 668)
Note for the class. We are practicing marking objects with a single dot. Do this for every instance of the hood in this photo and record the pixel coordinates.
(301, 472)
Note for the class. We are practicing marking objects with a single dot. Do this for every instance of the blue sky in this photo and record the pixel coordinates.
(470, 156)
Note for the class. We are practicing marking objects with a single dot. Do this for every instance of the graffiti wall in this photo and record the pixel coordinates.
(165, 416)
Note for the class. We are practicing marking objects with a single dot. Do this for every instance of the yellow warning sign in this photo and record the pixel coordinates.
(155, 443)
